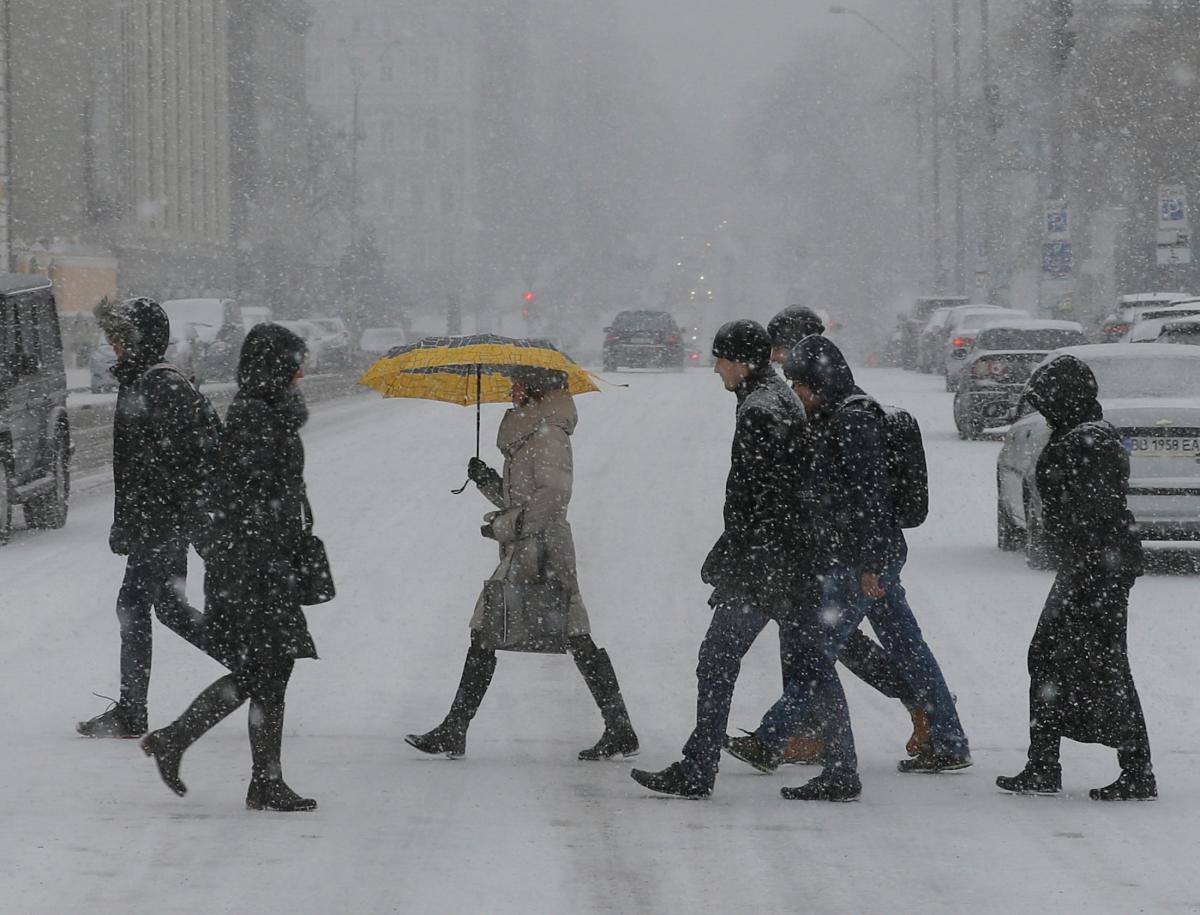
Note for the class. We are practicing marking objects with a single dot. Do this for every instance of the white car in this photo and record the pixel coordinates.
(312, 337)
(1151, 393)
(375, 342)
(1149, 323)
(335, 340)
(958, 335)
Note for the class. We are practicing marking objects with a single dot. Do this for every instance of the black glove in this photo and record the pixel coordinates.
(119, 540)
(480, 473)
(487, 531)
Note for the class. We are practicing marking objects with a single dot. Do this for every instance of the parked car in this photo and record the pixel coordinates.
(35, 431)
(929, 341)
(336, 351)
(959, 334)
(221, 330)
(1150, 323)
(376, 342)
(1151, 393)
(643, 339)
(1129, 308)
(1000, 362)
(186, 350)
(914, 322)
(313, 339)
(1180, 330)
(255, 314)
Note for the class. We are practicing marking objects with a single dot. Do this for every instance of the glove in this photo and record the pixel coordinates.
(480, 473)
(487, 531)
(119, 541)
(713, 569)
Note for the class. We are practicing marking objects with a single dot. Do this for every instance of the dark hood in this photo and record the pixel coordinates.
(1065, 393)
(271, 355)
(142, 326)
(817, 363)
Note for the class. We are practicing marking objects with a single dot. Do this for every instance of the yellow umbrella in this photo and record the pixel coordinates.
(465, 370)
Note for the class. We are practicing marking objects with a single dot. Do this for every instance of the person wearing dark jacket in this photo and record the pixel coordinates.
(252, 612)
(753, 568)
(865, 550)
(1080, 683)
(159, 450)
(862, 656)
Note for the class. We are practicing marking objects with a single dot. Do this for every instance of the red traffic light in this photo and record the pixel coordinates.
(529, 297)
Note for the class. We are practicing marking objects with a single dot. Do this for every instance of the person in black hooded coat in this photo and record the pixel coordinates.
(1080, 683)
(252, 610)
(160, 503)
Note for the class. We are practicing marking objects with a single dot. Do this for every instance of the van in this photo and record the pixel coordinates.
(35, 433)
(220, 330)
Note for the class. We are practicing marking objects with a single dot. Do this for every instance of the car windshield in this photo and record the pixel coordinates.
(1044, 339)
(1131, 375)
(1180, 333)
(642, 320)
(976, 319)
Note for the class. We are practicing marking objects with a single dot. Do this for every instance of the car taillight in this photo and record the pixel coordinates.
(962, 342)
(672, 338)
(695, 356)
(1117, 330)
(610, 338)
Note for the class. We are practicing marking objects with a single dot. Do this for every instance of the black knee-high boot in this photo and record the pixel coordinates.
(450, 737)
(268, 790)
(167, 744)
(618, 738)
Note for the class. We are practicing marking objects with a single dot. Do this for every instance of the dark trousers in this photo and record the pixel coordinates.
(1080, 683)
(155, 579)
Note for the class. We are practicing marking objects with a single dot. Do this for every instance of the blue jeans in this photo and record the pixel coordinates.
(807, 669)
(898, 633)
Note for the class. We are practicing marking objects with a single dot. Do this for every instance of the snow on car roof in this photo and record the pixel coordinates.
(1034, 324)
(1136, 298)
(1092, 352)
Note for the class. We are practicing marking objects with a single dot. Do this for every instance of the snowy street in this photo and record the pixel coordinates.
(519, 824)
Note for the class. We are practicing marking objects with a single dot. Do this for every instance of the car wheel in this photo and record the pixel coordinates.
(50, 510)
(5, 505)
(1008, 536)
(1037, 549)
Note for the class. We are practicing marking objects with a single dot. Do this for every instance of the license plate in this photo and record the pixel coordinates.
(1163, 446)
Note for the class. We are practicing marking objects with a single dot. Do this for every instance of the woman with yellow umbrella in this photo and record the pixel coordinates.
(531, 495)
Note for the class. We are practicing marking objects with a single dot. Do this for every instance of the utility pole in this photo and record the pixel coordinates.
(959, 167)
(991, 116)
(5, 177)
(356, 75)
(939, 268)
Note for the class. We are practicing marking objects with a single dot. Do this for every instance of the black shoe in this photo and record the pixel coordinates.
(1129, 786)
(167, 756)
(830, 785)
(274, 794)
(116, 722)
(750, 750)
(670, 780)
(1033, 780)
(443, 740)
(932, 763)
(612, 743)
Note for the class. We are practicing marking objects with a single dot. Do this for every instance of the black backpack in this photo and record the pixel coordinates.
(206, 427)
(905, 461)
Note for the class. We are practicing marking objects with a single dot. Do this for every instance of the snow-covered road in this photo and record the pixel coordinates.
(520, 825)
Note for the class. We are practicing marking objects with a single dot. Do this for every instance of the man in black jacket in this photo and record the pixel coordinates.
(753, 567)
(160, 452)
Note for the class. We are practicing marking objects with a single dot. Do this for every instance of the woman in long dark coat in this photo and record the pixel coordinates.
(1080, 684)
(252, 612)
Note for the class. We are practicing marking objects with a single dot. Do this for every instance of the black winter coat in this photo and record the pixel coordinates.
(159, 447)
(763, 554)
(251, 609)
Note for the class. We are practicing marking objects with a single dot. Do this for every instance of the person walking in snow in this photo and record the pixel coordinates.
(862, 656)
(532, 494)
(162, 431)
(252, 609)
(1080, 683)
(756, 568)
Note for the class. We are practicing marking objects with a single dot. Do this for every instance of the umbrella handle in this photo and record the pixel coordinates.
(461, 489)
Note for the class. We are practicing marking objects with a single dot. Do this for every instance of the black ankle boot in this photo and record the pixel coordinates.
(1131, 785)
(596, 667)
(1043, 778)
(448, 738)
(118, 721)
(168, 754)
(831, 785)
(619, 741)
(274, 794)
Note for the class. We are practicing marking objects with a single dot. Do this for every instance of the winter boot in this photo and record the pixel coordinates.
(268, 790)
(117, 721)
(671, 780)
(450, 737)
(618, 738)
(750, 750)
(167, 745)
(1131, 785)
(803, 750)
(830, 785)
(1045, 778)
(932, 762)
(922, 733)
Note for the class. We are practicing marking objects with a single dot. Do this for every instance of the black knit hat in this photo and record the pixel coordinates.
(793, 324)
(743, 341)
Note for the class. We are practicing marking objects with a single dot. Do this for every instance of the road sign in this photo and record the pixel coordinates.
(1057, 258)
(1173, 239)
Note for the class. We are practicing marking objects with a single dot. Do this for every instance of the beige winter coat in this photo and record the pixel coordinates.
(533, 498)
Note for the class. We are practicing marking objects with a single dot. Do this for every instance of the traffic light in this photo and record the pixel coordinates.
(529, 300)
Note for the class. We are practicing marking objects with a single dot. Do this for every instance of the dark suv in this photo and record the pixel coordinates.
(35, 437)
(643, 339)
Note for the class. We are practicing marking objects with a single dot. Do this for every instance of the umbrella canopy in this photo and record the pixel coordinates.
(467, 370)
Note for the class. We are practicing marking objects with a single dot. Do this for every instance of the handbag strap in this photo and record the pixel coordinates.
(306, 514)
